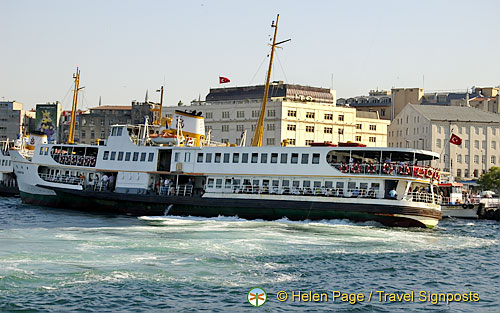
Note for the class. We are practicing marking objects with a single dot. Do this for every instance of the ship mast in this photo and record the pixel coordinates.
(71, 136)
(259, 131)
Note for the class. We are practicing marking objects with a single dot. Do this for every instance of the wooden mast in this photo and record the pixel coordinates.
(158, 120)
(71, 136)
(259, 131)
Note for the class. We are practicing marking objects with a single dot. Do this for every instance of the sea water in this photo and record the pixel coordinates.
(54, 260)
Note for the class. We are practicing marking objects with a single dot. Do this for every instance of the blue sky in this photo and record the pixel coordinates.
(126, 47)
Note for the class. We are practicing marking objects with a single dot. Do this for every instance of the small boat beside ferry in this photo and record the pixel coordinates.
(8, 183)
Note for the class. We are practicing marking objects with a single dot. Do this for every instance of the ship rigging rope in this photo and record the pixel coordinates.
(67, 93)
(279, 62)
(260, 66)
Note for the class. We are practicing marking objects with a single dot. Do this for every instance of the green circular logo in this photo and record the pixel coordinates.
(257, 296)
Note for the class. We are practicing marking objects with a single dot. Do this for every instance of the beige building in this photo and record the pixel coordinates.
(430, 127)
(379, 101)
(12, 118)
(403, 96)
(300, 114)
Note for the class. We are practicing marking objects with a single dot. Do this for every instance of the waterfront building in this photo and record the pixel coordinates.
(12, 119)
(430, 127)
(96, 124)
(65, 122)
(300, 114)
(47, 117)
(379, 101)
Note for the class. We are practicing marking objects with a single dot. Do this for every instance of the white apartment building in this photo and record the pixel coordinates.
(300, 114)
(430, 127)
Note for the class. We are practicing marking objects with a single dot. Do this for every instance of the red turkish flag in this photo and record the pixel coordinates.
(455, 140)
(223, 80)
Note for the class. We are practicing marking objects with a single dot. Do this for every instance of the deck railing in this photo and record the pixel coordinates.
(388, 169)
(62, 179)
(422, 196)
(181, 190)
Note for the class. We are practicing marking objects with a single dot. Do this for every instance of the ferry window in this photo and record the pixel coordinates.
(375, 186)
(351, 185)
(210, 183)
(176, 156)
(208, 158)
(136, 156)
(276, 183)
(236, 157)
(113, 155)
(218, 183)
(143, 156)
(305, 158)
(285, 183)
(226, 157)
(151, 157)
(46, 150)
(340, 185)
(187, 157)
(263, 158)
(217, 158)
(244, 158)
(296, 183)
(284, 157)
(274, 158)
(91, 176)
(200, 158)
(255, 157)
(317, 184)
(255, 182)
(227, 183)
(315, 159)
(119, 131)
(295, 158)
(113, 132)
(41, 151)
(236, 182)
(306, 184)
(120, 156)
(363, 186)
(329, 184)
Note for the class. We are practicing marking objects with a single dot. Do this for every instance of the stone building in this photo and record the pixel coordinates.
(300, 114)
(12, 119)
(379, 101)
(430, 127)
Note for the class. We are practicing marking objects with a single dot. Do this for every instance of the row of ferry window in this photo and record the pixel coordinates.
(125, 156)
(257, 158)
(5, 162)
(236, 182)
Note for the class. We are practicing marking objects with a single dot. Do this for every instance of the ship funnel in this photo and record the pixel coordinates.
(35, 138)
(192, 126)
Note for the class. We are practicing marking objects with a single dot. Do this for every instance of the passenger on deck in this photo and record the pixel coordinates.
(393, 194)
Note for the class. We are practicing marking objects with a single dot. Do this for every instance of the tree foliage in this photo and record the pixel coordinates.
(490, 180)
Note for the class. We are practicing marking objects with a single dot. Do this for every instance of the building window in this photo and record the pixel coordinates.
(225, 114)
(309, 114)
(270, 127)
(459, 173)
(291, 141)
(310, 129)
(240, 114)
(254, 127)
(341, 131)
(328, 130)
(309, 142)
(292, 113)
(382, 112)
(209, 115)
(341, 117)
(208, 127)
(270, 141)
(240, 128)
(359, 126)
(373, 127)
(103, 135)
(83, 134)
(483, 144)
(476, 159)
(225, 128)
(493, 144)
(291, 127)
(459, 158)
(493, 159)
(372, 139)
(102, 122)
(438, 143)
(255, 113)
(271, 113)
(224, 140)
(329, 116)
(358, 138)
(467, 144)
(92, 135)
(476, 144)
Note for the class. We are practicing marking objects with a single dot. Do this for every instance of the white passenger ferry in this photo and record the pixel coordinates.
(8, 183)
(132, 175)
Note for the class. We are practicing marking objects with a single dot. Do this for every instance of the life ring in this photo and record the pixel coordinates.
(436, 176)
(404, 170)
(418, 171)
(388, 168)
(429, 172)
(370, 168)
(464, 206)
(92, 161)
(190, 141)
(86, 162)
(356, 168)
(80, 161)
(344, 168)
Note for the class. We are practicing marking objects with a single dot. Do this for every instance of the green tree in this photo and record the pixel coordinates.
(490, 180)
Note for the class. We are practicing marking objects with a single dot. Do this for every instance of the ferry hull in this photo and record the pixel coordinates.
(109, 202)
(7, 191)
